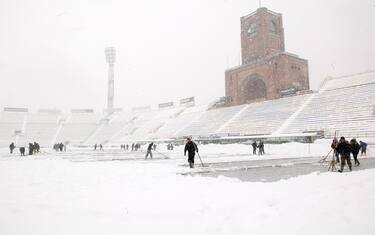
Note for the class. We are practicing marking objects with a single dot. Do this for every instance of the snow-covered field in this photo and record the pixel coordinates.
(50, 194)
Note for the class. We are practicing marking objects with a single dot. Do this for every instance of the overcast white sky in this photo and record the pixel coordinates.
(52, 52)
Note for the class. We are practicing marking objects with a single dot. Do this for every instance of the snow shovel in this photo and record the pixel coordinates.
(201, 160)
(165, 156)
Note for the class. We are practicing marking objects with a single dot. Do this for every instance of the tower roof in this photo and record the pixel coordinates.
(259, 10)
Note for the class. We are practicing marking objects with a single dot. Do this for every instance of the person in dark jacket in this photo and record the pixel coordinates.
(11, 147)
(254, 144)
(22, 151)
(149, 150)
(56, 147)
(61, 147)
(363, 146)
(31, 149)
(191, 148)
(334, 144)
(344, 149)
(37, 147)
(355, 150)
(261, 148)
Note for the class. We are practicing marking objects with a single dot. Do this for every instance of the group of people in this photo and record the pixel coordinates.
(342, 150)
(124, 147)
(345, 149)
(96, 146)
(59, 147)
(33, 148)
(169, 146)
(260, 147)
(190, 148)
(135, 146)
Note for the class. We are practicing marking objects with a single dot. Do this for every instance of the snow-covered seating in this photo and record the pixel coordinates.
(349, 81)
(150, 128)
(345, 105)
(78, 127)
(139, 119)
(41, 128)
(210, 121)
(110, 127)
(10, 122)
(177, 122)
(264, 117)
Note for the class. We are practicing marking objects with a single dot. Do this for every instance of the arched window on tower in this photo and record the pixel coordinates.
(273, 26)
(252, 30)
(253, 88)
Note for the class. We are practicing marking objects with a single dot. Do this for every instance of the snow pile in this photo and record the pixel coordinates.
(62, 197)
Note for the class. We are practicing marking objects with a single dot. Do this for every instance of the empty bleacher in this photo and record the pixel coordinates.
(41, 128)
(111, 127)
(344, 105)
(210, 121)
(176, 123)
(78, 127)
(10, 122)
(264, 118)
(138, 120)
(157, 121)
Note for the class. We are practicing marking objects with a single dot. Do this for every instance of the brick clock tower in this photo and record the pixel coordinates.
(267, 71)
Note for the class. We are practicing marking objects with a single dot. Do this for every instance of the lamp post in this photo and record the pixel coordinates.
(110, 55)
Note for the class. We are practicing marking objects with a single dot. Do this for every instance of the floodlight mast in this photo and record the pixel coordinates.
(110, 55)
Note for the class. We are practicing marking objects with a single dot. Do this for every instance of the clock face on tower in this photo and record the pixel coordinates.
(252, 29)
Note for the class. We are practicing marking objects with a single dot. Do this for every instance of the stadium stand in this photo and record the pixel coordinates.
(179, 121)
(10, 124)
(345, 105)
(210, 121)
(264, 118)
(40, 127)
(111, 127)
(78, 127)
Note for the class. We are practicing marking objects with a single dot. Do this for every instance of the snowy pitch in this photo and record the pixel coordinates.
(82, 192)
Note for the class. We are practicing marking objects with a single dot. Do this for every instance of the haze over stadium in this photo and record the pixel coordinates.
(182, 46)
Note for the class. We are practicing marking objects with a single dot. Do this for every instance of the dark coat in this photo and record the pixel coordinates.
(363, 145)
(190, 147)
(355, 148)
(150, 147)
(344, 149)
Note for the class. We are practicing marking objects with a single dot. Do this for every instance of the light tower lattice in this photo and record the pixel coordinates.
(110, 55)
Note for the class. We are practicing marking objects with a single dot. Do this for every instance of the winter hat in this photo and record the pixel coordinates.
(342, 138)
